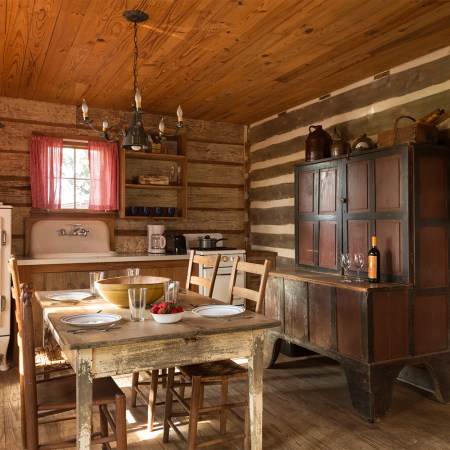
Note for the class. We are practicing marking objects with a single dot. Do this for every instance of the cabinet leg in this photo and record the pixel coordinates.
(272, 346)
(371, 388)
(439, 370)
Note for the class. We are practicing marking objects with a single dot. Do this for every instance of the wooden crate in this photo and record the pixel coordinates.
(414, 133)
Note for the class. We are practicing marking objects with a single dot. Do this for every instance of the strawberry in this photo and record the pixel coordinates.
(169, 307)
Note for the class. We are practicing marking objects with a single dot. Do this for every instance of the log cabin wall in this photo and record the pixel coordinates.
(276, 144)
(215, 170)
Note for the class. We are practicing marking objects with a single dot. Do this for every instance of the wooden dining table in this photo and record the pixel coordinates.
(136, 346)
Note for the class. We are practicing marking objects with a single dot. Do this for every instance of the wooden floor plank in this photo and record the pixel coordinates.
(306, 406)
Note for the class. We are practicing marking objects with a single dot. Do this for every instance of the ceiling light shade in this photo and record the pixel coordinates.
(135, 137)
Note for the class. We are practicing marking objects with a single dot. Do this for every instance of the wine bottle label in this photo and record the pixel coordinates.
(372, 266)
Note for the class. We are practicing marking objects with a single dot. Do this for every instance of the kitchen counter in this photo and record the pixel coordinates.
(121, 257)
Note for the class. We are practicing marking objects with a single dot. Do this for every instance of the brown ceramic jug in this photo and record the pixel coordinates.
(318, 144)
(338, 146)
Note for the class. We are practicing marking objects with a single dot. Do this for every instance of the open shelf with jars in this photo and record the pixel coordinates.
(153, 185)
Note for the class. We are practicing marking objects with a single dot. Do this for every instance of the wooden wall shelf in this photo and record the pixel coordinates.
(174, 195)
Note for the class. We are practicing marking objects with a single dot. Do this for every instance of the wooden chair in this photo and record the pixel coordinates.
(206, 261)
(49, 397)
(49, 359)
(160, 376)
(220, 372)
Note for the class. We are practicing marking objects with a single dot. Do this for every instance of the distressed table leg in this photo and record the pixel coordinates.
(84, 398)
(255, 384)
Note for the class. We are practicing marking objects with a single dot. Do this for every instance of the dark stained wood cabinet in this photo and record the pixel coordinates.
(401, 195)
(368, 328)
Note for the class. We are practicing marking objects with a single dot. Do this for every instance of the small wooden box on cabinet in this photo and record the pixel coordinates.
(145, 201)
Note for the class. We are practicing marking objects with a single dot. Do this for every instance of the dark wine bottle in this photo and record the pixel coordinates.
(373, 262)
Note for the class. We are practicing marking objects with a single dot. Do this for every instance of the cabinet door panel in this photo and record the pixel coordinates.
(305, 194)
(389, 237)
(273, 304)
(328, 191)
(306, 242)
(430, 324)
(358, 236)
(358, 190)
(433, 194)
(349, 324)
(390, 325)
(296, 308)
(432, 258)
(388, 183)
(321, 315)
(328, 244)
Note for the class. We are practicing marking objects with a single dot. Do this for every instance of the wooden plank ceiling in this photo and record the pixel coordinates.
(234, 61)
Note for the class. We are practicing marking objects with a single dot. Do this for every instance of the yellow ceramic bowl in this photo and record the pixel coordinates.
(115, 290)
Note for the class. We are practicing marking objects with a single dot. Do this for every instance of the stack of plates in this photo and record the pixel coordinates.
(218, 310)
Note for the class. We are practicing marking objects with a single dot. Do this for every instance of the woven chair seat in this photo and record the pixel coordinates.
(50, 355)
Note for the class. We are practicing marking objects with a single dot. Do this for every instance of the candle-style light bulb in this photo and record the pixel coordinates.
(85, 109)
(105, 124)
(161, 125)
(180, 114)
(138, 99)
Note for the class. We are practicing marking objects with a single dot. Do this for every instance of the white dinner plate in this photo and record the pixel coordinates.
(69, 296)
(91, 320)
(218, 310)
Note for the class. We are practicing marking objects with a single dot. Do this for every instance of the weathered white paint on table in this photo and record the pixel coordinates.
(138, 346)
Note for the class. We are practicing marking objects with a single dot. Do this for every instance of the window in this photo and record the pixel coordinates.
(73, 174)
(75, 178)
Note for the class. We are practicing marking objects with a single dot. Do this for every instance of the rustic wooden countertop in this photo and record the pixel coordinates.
(335, 280)
(121, 257)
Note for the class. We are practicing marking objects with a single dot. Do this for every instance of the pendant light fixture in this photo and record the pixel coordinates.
(135, 137)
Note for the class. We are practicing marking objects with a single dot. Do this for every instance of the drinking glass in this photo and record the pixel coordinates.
(93, 278)
(133, 272)
(358, 261)
(171, 289)
(346, 262)
(137, 298)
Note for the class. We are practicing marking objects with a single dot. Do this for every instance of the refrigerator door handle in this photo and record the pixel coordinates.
(3, 303)
(3, 237)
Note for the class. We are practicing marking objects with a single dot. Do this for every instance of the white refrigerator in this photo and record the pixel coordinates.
(5, 283)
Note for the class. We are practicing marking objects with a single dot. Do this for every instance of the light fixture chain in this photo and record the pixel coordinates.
(135, 57)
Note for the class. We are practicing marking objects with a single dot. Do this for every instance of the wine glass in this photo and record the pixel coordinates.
(358, 261)
(346, 262)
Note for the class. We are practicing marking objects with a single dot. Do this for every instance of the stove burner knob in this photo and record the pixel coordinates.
(225, 259)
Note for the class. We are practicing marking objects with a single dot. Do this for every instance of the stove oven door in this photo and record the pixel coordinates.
(222, 284)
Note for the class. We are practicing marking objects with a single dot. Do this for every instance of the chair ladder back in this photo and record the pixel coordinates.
(15, 290)
(29, 368)
(249, 294)
(206, 261)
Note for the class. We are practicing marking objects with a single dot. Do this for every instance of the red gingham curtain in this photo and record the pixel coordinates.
(45, 171)
(104, 172)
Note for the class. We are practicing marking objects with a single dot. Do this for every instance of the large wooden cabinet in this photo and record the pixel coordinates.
(401, 195)
(139, 201)
(376, 331)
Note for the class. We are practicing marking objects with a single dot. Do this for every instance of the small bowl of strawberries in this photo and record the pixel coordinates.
(167, 312)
